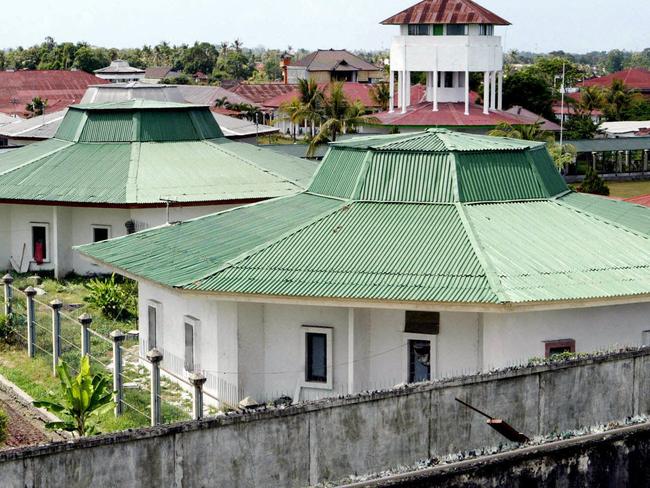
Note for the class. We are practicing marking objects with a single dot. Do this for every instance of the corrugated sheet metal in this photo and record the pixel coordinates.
(108, 127)
(552, 180)
(446, 12)
(548, 251)
(183, 253)
(30, 153)
(92, 173)
(167, 126)
(206, 124)
(70, 125)
(366, 250)
(421, 177)
(338, 173)
(621, 213)
(491, 177)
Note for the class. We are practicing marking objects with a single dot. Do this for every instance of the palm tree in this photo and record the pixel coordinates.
(339, 116)
(532, 132)
(591, 98)
(380, 94)
(294, 112)
(618, 98)
(37, 106)
(311, 98)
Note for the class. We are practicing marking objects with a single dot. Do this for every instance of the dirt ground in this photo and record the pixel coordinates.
(25, 425)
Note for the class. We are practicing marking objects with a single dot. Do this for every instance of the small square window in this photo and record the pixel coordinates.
(418, 30)
(559, 346)
(449, 79)
(152, 326)
(438, 30)
(101, 233)
(422, 322)
(456, 29)
(189, 346)
(316, 357)
(419, 361)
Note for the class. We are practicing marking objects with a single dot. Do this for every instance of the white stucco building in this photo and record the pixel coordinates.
(116, 168)
(448, 40)
(409, 257)
(120, 71)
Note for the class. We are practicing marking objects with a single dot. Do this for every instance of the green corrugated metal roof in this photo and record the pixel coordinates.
(611, 144)
(182, 157)
(406, 235)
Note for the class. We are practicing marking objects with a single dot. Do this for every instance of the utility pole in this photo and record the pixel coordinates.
(562, 90)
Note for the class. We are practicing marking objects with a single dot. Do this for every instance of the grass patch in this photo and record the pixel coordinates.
(628, 189)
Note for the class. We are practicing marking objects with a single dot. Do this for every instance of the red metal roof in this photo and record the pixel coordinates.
(261, 92)
(448, 115)
(445, 12)
(640, 200)
(637, 78)
(332, 59)
(60, 88)
(353, 91)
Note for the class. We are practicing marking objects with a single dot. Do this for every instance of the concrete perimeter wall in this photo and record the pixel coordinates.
(330, 439)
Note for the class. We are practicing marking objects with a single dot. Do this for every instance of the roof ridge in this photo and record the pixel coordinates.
(250, 163)
(484, 261)
(38, 158)
(559, 201)
(265, 245)
(134, 168)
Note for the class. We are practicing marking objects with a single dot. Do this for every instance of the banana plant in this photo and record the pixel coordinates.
(85, 397)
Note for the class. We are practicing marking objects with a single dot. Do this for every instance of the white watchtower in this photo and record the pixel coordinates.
(447, 39)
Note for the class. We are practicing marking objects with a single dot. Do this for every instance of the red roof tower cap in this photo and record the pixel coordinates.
(446, 12)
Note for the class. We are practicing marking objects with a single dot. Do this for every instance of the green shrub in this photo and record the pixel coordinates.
(593, 183)
(3, 426)
(116, 300)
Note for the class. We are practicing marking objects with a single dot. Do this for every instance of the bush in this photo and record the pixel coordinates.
(593, 183)
(3, 426)
(116, 300)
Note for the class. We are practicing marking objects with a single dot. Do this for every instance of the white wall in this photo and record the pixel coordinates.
(520, 336)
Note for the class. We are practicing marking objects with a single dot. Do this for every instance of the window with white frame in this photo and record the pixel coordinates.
(191, 326)
(456, 29)
(418, 30)
(154, 318)
(485, 30)
(101, 232)
(318, 356)
(40, 235)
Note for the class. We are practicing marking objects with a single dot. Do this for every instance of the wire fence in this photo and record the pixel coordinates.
(55, 334)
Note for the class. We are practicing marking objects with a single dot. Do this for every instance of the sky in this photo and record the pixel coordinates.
(538, 26)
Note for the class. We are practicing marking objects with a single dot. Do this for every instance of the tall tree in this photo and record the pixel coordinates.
(311, 98)
(380, 94)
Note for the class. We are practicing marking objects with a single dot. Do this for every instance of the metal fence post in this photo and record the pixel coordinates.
(155, 356)
(198, 380)
(85, 320)
(56, 306)
(7, 280)
(118, 337)
(31, 329)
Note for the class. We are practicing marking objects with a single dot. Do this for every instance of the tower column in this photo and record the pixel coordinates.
(500, 96)
(466, 92)
(404, 86)
(400, 84)
(486, 92)
(435, 91)
(407, 88)
(391, 89)
(493, 90)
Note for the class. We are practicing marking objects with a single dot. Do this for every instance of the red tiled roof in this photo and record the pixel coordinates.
(640, 200)
(637, 78)
(445, 12)
(448, 115)
(261, 92)
(60, 88)
(353, 91)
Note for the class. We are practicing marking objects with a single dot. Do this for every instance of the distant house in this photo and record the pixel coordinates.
(120, 71)
(156, 74)
(28, 131)
(115, 168)
(325, 66)
(60, 89)
(637, 79)
(408, 258)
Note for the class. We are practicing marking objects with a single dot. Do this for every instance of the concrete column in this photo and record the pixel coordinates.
(493, 90)
(391, 88)
(197, 380)
(118, 338)
(627, 161)
(593, 160)
(155, 357)
(56, 306)
(403, 87)
(7, 281)
(407, 88)
(486, 92)
(31, 328)
(619, 162)
(400, 84)
(85, 320)
(645, 160)
(351, 357)
(466, 92)
(435, 90)
(500, 95)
